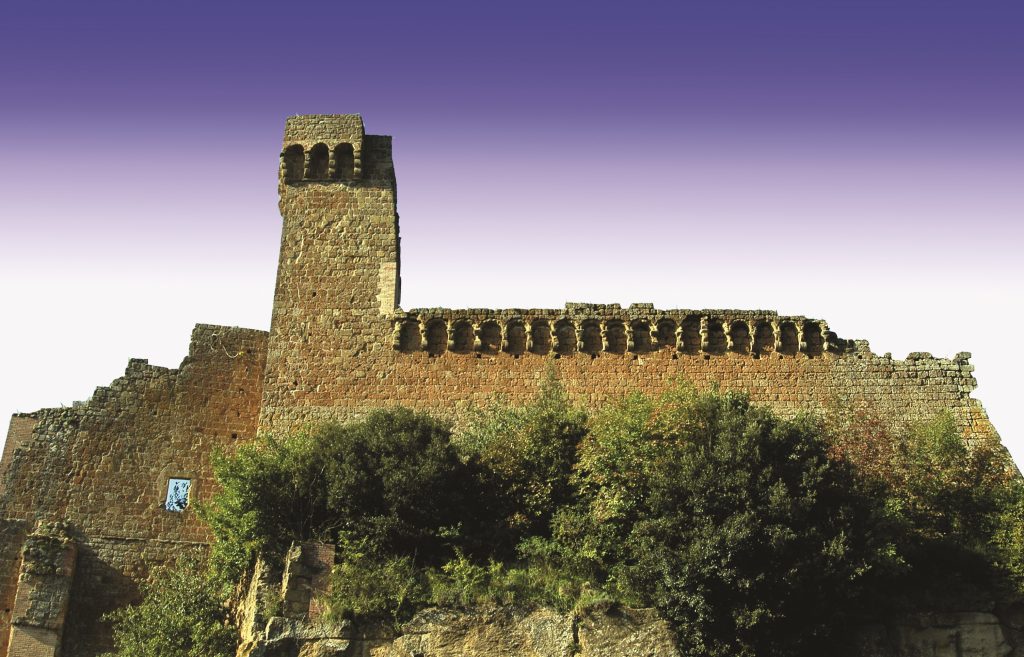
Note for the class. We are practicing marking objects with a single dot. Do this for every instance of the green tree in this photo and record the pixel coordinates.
(391, 482)
(528, 454)
(734, 523)
(955, 507)
(181, 615)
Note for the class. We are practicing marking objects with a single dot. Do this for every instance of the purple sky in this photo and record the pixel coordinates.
(862, 162)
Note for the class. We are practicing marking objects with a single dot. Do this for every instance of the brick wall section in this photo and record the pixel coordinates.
(44, 587)
(103, 465)
(918, 388)
(12, 537)
(19, 431)
(107, 577)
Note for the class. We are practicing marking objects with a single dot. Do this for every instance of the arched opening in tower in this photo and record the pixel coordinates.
(318, 160)
(813, 339)
(344, 162)
(715, 336)
(294, 161)
(410, 340)
(515, 334)
(565, 338)
(691, 335)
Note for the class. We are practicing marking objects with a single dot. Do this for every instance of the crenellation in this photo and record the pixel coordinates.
(607, 328)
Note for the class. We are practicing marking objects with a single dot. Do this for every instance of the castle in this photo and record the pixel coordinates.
(97, 494)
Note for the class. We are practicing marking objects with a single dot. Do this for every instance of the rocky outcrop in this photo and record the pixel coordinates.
(946, 634)
(490, 632)
(280, 615)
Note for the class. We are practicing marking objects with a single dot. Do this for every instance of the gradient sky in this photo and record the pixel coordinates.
(861, 162)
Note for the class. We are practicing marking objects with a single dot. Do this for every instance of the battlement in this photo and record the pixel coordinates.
(322, 147)
(593, 329)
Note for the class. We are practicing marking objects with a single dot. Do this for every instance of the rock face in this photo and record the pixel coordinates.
(522, 633)
(280, 615)
(493, 632)
(616, 632)
(948, 634)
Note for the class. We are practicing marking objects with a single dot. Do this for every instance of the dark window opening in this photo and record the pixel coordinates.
(344, 162)
(515, 334)
(813, 339)
(540, 336)
(789, 342)
(318, 159)
(642, 342)
(410, 339)
(716, 337)
(490, 337)
(739, 333)
(565, 336)
(666, 334)
(764, 338)
(294, 161)
(437, 337)
(616, 332)
(462, 337)
(691, 335)
(591, 330)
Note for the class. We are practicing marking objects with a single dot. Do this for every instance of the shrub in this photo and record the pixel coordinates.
(181, 615)
(391, 480)
(531, 582)
(954, 506)
(373, 588)
(735, 524)
(528, 454)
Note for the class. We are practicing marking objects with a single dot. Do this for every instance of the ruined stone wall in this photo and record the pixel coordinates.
(445, 359)
(339, 346)
(103, 467)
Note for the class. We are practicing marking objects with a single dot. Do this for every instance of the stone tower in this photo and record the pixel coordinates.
(337, 278)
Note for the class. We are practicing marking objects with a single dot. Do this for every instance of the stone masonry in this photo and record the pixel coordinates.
(339, 345)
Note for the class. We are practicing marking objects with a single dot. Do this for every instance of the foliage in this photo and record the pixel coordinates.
(181, 615)
(956, 506)
(528, 454)
(735, 524)
(365, 587)
(392, 480)
(753, 535)
(531, 581)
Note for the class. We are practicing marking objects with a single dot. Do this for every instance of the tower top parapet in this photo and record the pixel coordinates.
(322, 147)
(308, 130)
